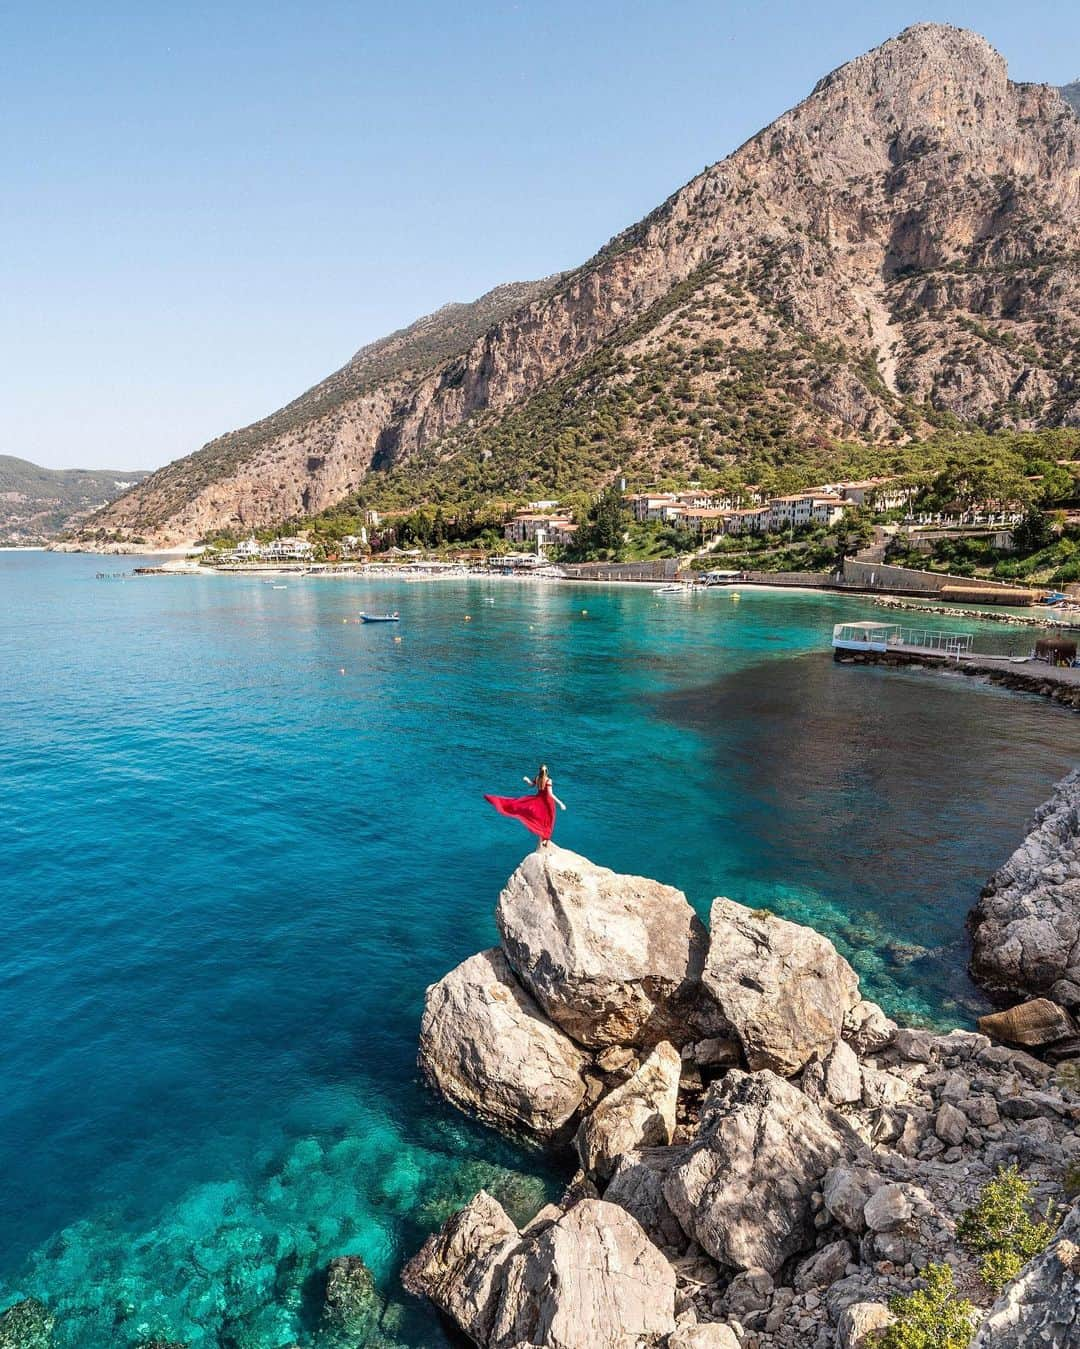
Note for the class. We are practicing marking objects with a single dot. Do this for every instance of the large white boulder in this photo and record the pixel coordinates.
(782, 987)
(592, 1280)
(490, 1050)
(612, 960)
(743, 1190)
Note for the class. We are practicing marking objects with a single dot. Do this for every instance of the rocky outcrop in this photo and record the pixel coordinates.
(638, 1114)
(589, 1279)
(611, 959)
(904, 236)
(781, 987)
(488, 1048)
(743, 1190)
(716, 1200)
(1041, 1307)
(1026, 926)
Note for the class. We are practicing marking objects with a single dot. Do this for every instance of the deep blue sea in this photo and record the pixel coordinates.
(242, 832)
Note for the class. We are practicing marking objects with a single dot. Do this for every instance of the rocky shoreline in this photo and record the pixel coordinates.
(765, 1158)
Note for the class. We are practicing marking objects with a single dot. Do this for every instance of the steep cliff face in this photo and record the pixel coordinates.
(903, 242)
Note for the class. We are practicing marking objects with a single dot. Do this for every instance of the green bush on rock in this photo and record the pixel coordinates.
(1000, 1228)
(934, 1317)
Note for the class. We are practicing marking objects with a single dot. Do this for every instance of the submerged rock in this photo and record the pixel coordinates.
(351, 1305)
(783, 987)
(491, 1051)
(26, 1325)
(1030, 1024)
(1041, 1306)
(612, 960)
(1026, 926)
(743, 1191)
(638, 1114)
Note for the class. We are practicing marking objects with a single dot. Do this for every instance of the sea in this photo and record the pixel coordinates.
(242, 832)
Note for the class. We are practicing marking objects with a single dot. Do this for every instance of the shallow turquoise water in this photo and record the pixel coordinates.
(241, 836)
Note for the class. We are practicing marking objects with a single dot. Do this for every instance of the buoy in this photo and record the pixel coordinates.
(344, 620)
(735, 597)
(468, 618)
(584, 611)
(397, 639)
(343, 669)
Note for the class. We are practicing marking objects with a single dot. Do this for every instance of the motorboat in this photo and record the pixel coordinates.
(395, 617)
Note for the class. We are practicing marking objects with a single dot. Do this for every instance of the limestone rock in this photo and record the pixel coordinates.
(782, 987)
(950, 1124)
(1041, 1306)
(592, 1280)
(846, 1190)
(867, 1029)
(887, 1208)
(1026, 926)
(837, 1078)
(1030, 1024)
(824, 1267)
(459, 1268)
(638, 1114)
(711, 1335)
(612, 960)
(638, 1186)
(859, 1324)
(743, 1190)
(26, 1325)
(490, 1050)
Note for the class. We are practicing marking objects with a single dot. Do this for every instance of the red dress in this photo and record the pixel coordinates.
(536, 812)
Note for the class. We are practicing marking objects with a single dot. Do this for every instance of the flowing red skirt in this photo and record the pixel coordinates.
(536, 812)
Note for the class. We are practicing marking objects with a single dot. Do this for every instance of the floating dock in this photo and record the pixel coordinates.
(869, 643)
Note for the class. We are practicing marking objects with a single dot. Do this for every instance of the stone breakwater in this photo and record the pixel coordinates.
(764, 1156)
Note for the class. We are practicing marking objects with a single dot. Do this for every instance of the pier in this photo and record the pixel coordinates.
(870, 643)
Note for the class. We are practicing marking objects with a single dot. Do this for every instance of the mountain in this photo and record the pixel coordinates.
(1071, 94)
(898, 251)
(38, 504)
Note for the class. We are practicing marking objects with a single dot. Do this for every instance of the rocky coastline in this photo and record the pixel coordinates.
(765, 1158)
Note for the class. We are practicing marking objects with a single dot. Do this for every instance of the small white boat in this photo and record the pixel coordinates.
(281, 587)
(671, 590)
(395, 617)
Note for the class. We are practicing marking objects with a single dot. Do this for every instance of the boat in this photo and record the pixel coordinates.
(671, 590)
(381, 618)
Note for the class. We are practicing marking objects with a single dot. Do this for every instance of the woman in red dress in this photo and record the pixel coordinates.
(536, 813)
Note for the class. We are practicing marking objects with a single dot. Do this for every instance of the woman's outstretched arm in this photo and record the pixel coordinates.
(560, 804)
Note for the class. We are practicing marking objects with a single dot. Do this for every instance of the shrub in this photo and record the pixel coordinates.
(934, 1317)
(1001, 1230)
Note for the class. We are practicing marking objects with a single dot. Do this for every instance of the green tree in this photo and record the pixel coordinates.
(1001, 1229)
(934, 1317)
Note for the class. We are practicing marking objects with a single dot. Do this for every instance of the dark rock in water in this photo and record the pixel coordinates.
(26, 1325)
(352, 1305)
(1031, 1024)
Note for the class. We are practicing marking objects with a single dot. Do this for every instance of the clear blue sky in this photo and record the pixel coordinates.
(207, 207)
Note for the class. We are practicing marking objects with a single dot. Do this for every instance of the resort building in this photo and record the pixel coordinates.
(704, 521)
(528, 525)
(752, 520)
(287, 550)
(248, 550)
(804, 508)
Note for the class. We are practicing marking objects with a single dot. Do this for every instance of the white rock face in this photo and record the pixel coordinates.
(743, 1190)
(612, 960)
(887, 1208)
(592, 1280)
(836, 1079)
(490, 1050)
(638, 1114)
(1026, 927)
(1041, 1307)
(710, 1336)
(460, 1267)
(846, 1191)
(784, 988)
(859, 1324)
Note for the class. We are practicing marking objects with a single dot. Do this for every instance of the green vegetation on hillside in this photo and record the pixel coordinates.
(1002, 1230)
(39, 503)
(934, 1317)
